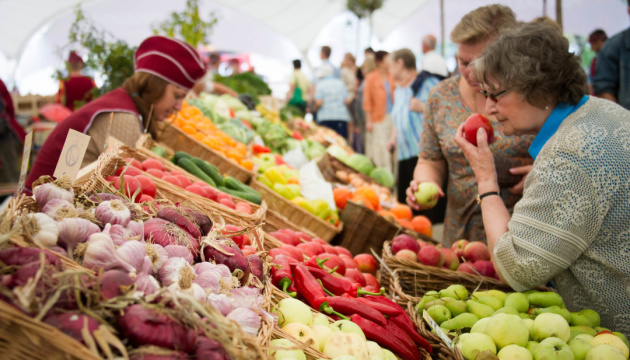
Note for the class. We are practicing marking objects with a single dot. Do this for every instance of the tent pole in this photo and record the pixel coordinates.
(559, 12)
(544, 7)
(442, 25)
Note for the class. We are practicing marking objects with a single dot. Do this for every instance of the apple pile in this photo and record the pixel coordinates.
(155, 168)
(529, 325)
(475, 253)
(342, 340)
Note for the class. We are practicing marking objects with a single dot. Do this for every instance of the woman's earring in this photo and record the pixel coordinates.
(547, 107)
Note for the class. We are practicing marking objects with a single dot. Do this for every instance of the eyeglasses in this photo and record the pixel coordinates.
(494, 97)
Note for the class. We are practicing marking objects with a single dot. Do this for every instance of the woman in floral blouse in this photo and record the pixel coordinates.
(449, 105)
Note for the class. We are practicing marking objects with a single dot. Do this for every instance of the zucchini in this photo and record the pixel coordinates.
(158, 150)
(210, 170)
(180, 155)
(190, 166)
(245, 195)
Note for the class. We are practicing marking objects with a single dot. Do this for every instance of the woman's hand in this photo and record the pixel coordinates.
(521, 170)
(480, 159)
(411, 197)
(416, 105)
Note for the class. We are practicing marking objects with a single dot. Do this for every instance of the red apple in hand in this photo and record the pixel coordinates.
(366, 263)
(473, 123)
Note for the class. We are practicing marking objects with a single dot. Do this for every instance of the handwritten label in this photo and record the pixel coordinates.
(71, 157)
(26, 156)
(436, 327)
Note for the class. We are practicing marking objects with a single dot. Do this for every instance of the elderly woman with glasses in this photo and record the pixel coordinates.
(572, 224)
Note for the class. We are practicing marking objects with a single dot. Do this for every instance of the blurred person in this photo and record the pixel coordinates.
(166, 69)
(547, 21)
(331, 98)
(407, 121)
(207, 83)
(449, 104)
(235, 66)
(298, 87)
(324, 56)
(377, 103)
(596, 39)
(432, 62)
(76, 88)
(11, 139)
(349, 78)
(358, 143)
(612, 73)
(571, 224)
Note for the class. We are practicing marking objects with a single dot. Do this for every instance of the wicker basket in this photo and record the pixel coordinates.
(411, 279)
(274, 222)
(177, 140)
(440, 350)
(295, 214)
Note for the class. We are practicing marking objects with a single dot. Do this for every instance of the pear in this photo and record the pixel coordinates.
(554, 310)
(432, 293)
(586, 317)
(439, 313)
(456, 307)
(465, 320)
(457, 292)
(433, 303)
(581, 329)
(480, 326)
(480, 310)
(425, 299)
(518, 301)
(506, 310)
(497, 294)
(525, 316)
(545, 299)
(491, 301)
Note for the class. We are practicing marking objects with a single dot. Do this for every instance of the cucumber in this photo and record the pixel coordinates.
(245, 195)
(190, 166)
(158, 150)
(232, 183)
(210, 170)
(180, 155)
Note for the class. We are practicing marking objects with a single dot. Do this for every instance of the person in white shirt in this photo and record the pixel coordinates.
(431, 60)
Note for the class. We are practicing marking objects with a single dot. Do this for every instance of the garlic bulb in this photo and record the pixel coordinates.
(247, 319)
(113, 212)
(118, 234)
(178, 271)
(43, 229)
(133, 253)
(209, 280)
(145, 282)
(101, 253)
(158, 256)
(220, 302)
(179, 251)
(46, 192)
(56, 208)
(135, 229)
(73, 231)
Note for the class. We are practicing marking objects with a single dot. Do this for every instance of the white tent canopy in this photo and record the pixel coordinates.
(34, 32)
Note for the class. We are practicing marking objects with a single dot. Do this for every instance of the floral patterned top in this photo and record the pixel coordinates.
(445, 113)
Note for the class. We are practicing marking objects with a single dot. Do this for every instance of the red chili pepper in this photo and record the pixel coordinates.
(260, 149)
(281, 274)
(357, 291)
(316, 262)
(349, 306)
(308, 286)
(383, 309)
(384, 338)
(402, 320)
(337, 285)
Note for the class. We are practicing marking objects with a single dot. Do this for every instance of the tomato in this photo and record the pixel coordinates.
(135, 163)
(153, 164)
(172, 179)
(148, 186)
(129, 171)
(132, 185)
(155, 172)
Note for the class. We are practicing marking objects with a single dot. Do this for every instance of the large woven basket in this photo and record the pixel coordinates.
(440, 350)
(411, 280)
(274, 222)
(329, 165)
(295, 214)
(177, 140)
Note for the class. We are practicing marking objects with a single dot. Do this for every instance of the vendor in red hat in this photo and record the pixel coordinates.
(77, 88)
(165, 70)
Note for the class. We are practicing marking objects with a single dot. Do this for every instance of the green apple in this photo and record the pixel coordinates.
(586, 317)
(622, 337)
(611, 339)
(581, 329)
(322, 333)
(531, 346)
(320, 319)
(586, 337)
(340, 343)
(553, 348)
(605, 352)
(530, 326)
(551, 325)
(427, 194)
(389, 355)
(472, 344)
(514, 352)
(374, 351)
(518, 301)
(439, 313)
(346, 327)
(292, 310)
(302, 333)
(456, 291)
(296, 354)
(580, 347)
(480, 326)
(507, 329)
(456, 307)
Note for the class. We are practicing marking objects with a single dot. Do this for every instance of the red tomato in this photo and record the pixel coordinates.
(129, 171)
(153, 164)
(196, 189)
(172, 179)
(184, 180)
(135, 163)
(145, 198)
(131, 186)
(148, 186)
(155, 172)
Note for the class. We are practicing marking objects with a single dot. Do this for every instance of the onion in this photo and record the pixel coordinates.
(23, 255)
(159, 231)
(72, 324)
(148, 327)
(74, 231)
(179, 251)
(111, 281)
(208, 349)
(113, 212)
(49, 191)
(220, 302)
(247, 319)
(256, 266)
(177, 217)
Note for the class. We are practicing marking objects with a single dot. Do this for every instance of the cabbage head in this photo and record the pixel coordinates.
(360, 163)
(383, 177)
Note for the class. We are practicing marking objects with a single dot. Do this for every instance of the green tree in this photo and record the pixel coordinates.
(188, 25)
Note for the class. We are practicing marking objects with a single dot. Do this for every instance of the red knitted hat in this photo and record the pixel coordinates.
(74, 58)
(173, 60)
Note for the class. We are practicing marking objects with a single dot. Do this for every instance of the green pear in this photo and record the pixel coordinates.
(439, 313)
(506, 310)
(457, 292)
(480, 310)
(581, 329)
(579, 347)
(456, 307)
(465, 320)
(432, 293)
(525, 316)
(545, 299)
(578, 319)
(433, 303)
(586, 315)
(554, 310)
(425, 299)
(623, 338)
(491, 301)
(480, 326)
(497, 294)
(518, 301)
(506, 329)
(531, 346)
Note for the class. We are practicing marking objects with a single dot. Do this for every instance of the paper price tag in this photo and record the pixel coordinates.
(26, 156)
(71, 157)
(436, 327)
